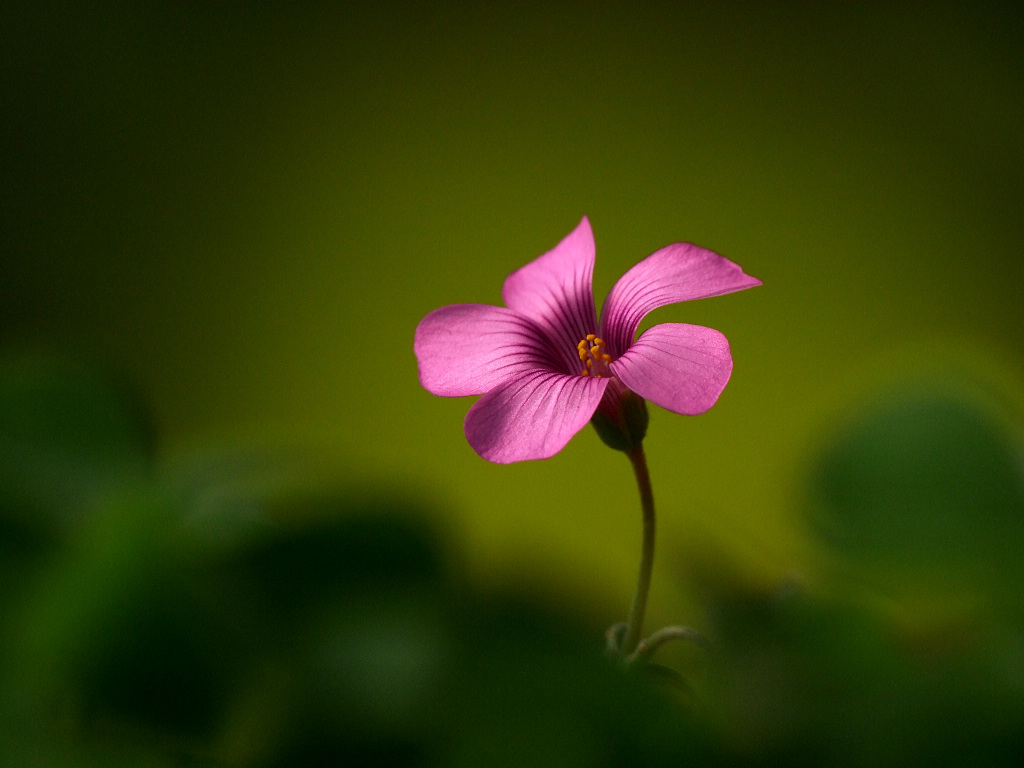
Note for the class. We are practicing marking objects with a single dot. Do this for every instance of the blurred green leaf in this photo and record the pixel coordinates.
(68, 431)
(924, 481)
(801, 680)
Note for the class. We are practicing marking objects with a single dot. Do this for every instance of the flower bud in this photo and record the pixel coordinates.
(621, 419)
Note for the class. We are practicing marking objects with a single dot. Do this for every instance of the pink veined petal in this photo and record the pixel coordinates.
(532, 417)
(469, 349)
(556, 291)
(678, 272)
(683, 368)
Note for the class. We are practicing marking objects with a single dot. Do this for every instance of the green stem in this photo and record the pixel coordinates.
(649, 645)
(634, 624)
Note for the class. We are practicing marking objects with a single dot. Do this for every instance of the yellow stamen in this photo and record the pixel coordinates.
(593, 354)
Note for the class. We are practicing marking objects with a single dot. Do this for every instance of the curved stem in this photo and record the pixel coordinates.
(649, 645)
(634, 624)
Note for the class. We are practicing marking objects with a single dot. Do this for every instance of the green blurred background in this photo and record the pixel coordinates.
(241, 211)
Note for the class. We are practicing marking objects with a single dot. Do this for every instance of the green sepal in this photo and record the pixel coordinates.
(628, 430)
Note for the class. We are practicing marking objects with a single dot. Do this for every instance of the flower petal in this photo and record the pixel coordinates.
(556, 291)
(683, 368)
(532, 417)
(678, 272)
(468, 349)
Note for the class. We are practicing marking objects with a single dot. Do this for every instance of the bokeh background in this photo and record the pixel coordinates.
(220, 226)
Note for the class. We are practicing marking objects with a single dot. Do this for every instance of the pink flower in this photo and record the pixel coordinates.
(545, 365)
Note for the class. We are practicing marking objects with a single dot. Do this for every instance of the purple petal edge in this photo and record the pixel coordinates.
(678, 272)
(469, 349)
(533, 417)
(556, 291)
(683, 368)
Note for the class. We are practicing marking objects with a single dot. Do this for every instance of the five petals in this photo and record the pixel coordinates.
(523, 358)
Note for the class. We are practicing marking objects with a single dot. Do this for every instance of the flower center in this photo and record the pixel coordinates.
(594, 357)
